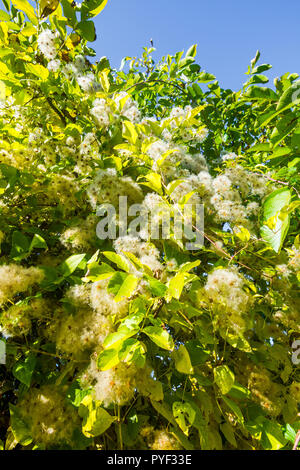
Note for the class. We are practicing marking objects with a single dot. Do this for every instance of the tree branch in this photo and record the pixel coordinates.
(63, 115)
(56, 110)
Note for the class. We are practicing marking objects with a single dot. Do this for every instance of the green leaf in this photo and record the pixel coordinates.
(157, 288)
(4, 16)
(104, 81)
(9, 172)
(153, 182)
(242, 233)
(136, 262)
(260, 93)
(19, 428)
(184, 415)
(29, 30)
(119, 260)
(188, 266)
(23, 370)
(273, 204)
(224, 378)
(4, 52)
(204, 77)
(91, 8)
(258, 79)
(108, 358)
(290, 433)
(96, 420)
(197, 353)
(86, 29)
(133, 350)
(182, 360)
(25, 6)
(122, 285)
(80, 441)
(260, 148)
(37, 242)
(129, 132)
(237, 341)
(261, 68)
(98, 272)
(192, 51)
(176, 285)
(160, 337)
(133, 321)
(37, 70)
(291, 96)
(115, 339)
(76, 394)
(166, 412)
(185, 62)
(71, 264)
(235, 408)
(69, 12)
(47, 7)
(239, 392)
(228, 432)
(272, 436)
(20, 246)
(202, 380)
(173, 185)
(256, 59)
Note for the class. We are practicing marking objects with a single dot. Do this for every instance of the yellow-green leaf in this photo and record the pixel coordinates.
(28, 9)
(115, 339)
(119, 260)
(153, 182)
(108, 358)
(29, 30)
(182, 360)
(224, 378)
(242, 233)
(20, 428)
(235, 408)
(99, 8)
(129, 132)
(47, 7)
(176, 285)
(96, 420)
(38, 70)
(122, 285)
(104, 80)
(272, 436)
(273, 204)
(160, 337)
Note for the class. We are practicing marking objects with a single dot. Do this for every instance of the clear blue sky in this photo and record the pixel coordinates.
(228, 33)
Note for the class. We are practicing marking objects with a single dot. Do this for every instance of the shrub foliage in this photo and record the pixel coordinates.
(136, 342)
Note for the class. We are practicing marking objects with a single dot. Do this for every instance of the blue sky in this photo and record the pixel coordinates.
(228, 33)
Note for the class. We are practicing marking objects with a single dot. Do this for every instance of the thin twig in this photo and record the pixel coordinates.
(297, 440)
(62, 114)
(56, 110)
(38, 351)
(277, 181)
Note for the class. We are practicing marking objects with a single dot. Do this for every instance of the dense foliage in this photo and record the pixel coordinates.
(136, 342)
